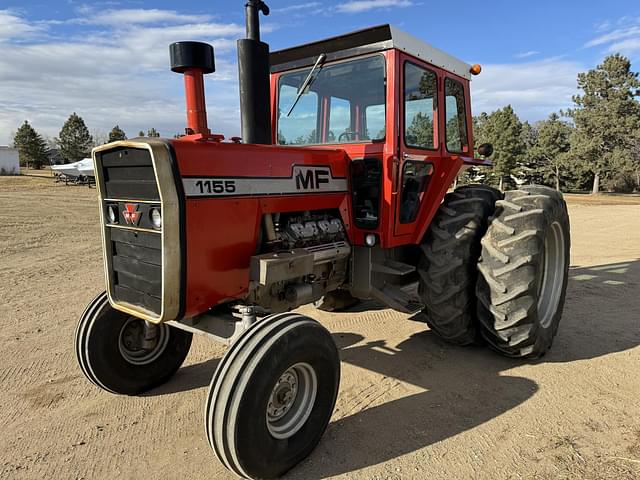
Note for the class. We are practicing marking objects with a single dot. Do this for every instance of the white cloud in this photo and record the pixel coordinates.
(13, 26)
(116, 73)
(141, 16)
(357, 6)
(534, 89)
(621, 37)
(626, 47)
(298, 7)
(528, 54)
(614, 35)
(603, 26)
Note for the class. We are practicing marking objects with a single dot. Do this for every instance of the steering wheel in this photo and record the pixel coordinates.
(346, 136)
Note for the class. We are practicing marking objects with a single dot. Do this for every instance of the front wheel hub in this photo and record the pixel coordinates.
(291, 400)
(141, 344)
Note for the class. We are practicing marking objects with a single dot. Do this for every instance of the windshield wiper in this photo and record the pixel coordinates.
(308, 81)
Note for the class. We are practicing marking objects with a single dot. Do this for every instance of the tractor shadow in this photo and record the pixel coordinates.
(365, 306)
(446, 390)
(187, 378)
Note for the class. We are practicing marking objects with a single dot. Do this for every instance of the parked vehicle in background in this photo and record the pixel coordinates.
(76, 172)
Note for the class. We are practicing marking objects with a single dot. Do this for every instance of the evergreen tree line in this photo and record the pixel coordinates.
(74, 142)
(595, 143)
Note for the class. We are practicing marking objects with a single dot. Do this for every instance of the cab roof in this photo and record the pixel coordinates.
(369, 40)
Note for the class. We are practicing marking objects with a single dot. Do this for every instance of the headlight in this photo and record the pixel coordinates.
(370, 240)
(156, 218)
(112, 213)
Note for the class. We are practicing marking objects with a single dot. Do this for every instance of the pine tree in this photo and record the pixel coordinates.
(503, 130)
(528, 169)
(21, 140)
(636, 162)
(551, 147)
(529, 135)
(141, 133)
(476, 174)
(32, 147)
(479, 131)
(116, 134)
(607, 119)
(74, 139)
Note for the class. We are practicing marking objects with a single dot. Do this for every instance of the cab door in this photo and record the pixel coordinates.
(420, 143)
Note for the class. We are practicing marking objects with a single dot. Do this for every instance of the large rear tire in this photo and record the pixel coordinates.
(448, 267)
(272, 396)
(523, 272)
(114, 355)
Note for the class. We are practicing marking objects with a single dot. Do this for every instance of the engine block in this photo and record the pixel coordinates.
(308, 258)
(303, 230)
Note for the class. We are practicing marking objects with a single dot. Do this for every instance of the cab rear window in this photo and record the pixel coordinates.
(456, 118)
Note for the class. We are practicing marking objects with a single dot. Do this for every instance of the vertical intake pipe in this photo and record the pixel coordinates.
(193, 60)
(253, 66)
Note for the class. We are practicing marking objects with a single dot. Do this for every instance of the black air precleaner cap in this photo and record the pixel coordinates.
(186, 55)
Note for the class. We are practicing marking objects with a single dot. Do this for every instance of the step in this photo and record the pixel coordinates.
(392, 267)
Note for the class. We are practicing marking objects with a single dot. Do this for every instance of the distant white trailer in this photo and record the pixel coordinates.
(9, 161)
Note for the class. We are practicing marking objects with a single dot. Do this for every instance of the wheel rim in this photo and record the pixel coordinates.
(550, 288)
(291, 401)
(133, 347)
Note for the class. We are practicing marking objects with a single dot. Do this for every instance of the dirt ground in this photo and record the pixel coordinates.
(409, 405)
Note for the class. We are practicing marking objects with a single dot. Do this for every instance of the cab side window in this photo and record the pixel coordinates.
(456, 119)
(420, 88)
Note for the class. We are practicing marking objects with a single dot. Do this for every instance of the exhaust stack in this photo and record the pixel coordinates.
(193, 60)
(253, 66)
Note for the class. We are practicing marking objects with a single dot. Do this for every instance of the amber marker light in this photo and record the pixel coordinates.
(476, 69)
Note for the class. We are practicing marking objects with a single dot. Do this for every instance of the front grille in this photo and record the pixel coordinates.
(137, 268)
(128, 174)
(143, 251)
(136, 251)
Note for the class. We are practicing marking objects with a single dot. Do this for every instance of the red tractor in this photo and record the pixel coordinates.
(337, 191)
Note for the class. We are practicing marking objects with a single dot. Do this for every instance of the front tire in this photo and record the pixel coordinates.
(113, 354)
(448, 267)
(524, 271)
(272, 396)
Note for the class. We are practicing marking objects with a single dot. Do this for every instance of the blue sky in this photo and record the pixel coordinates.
(108, 61)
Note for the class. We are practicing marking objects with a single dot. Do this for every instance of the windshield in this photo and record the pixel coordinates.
(345, 103)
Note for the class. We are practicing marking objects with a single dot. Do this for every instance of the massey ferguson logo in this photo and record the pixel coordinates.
(311, 179)
(131, 214)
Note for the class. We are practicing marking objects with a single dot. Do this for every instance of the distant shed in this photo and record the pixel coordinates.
(9, 161)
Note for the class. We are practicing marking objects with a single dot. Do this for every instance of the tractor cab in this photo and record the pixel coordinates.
(397, 106)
